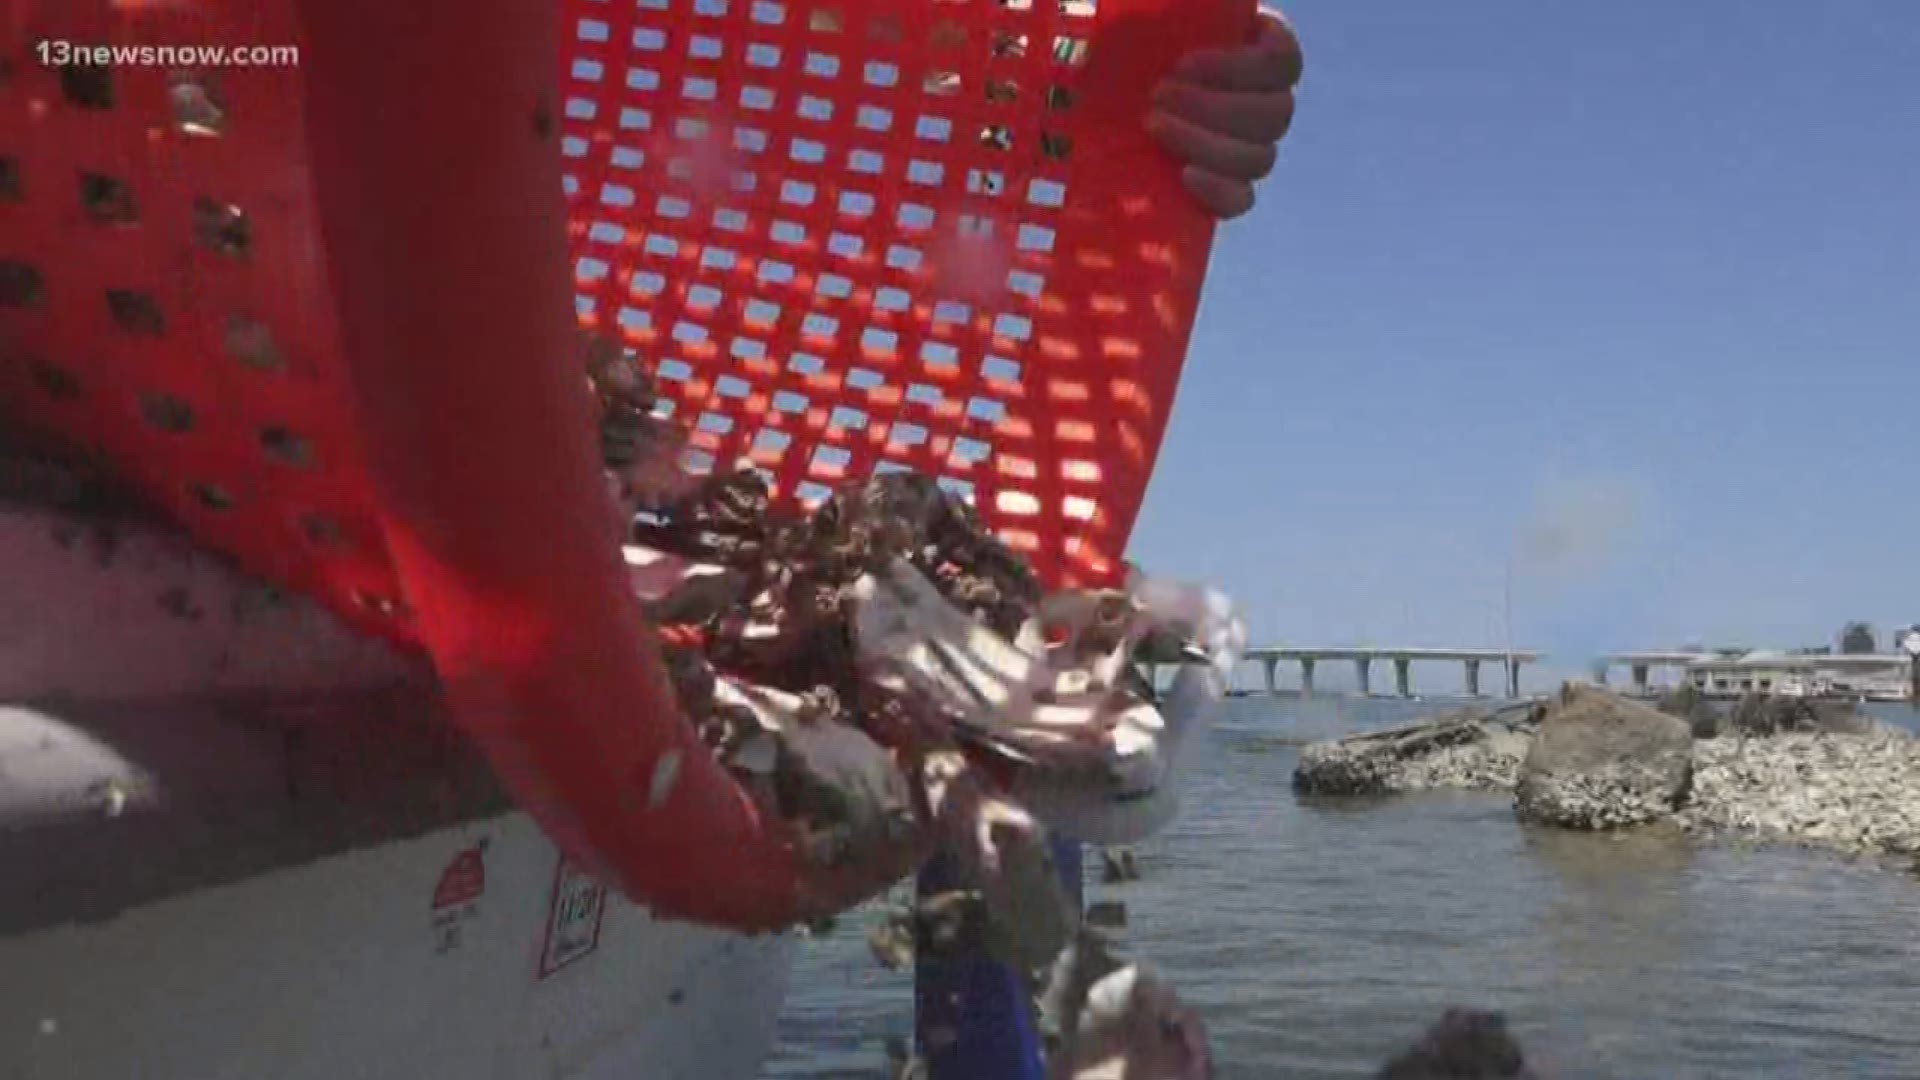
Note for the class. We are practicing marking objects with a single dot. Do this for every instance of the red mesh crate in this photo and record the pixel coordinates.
(868, 236)
(849, 237)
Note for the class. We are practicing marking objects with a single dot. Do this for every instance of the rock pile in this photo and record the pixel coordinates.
(1471, 749)
(1781, 769)
(1464, 1044)
(1765, 714)
(1599, 761)
(1857, 793)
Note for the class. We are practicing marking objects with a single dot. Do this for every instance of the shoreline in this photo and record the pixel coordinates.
(1853, 792)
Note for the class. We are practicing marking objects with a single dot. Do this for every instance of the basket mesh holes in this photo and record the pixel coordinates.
(21, 285)
(814, 179)
(877, 344)
(937, 129)
(106, 199)
(212, 496)
(999, 369)
(135, 312)
(251, 343)
(87, 86)
(634, 320)
(986, 409)
(959, 487)
(196, 109)
(221, 227)
(760, 313)
(771, 442)
(939, 356)
(286, 447)
(967, 452)
(167, 413)
(829, 461)
(321, 531)
(55, 381)
(1026, 283)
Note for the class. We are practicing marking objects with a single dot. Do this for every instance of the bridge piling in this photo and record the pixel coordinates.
(1473, 678)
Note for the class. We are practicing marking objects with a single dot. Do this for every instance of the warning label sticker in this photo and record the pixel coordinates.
(456, 896)
(573, 917)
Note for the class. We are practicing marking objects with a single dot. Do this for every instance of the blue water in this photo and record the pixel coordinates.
(1317, 938)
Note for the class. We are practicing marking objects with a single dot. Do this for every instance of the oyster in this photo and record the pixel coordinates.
(888, 678)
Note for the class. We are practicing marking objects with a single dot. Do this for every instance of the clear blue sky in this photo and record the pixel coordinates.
(1630, 290)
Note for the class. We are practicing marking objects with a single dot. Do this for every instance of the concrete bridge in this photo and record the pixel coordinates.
(1402, 659)
(1643, 663)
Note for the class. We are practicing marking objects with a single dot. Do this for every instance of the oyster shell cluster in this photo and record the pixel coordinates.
(886, 676)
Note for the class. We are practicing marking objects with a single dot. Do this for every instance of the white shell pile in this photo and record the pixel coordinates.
(1090, 755)
(1858, 793)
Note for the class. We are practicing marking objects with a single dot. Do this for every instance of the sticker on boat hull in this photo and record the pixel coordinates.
(573, 917)
(456, 896)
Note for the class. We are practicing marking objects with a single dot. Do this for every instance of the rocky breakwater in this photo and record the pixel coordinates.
(1599, 761)
(1783, 769)
(1476, 749)
(1857, 792)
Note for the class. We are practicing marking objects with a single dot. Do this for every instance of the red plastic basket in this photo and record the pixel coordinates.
(925, 236)
(317, 313)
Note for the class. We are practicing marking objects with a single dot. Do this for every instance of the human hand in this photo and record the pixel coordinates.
(1223, 111)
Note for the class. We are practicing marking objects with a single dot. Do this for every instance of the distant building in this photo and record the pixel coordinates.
(1908, 640)
(1881, 677)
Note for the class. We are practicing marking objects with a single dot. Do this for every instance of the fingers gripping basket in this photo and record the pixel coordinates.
(320, 314)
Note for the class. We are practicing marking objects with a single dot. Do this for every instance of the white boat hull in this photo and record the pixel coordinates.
(238, 843)
(343, 968)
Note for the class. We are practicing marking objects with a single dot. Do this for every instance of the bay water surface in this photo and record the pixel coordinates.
(1318, 938)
